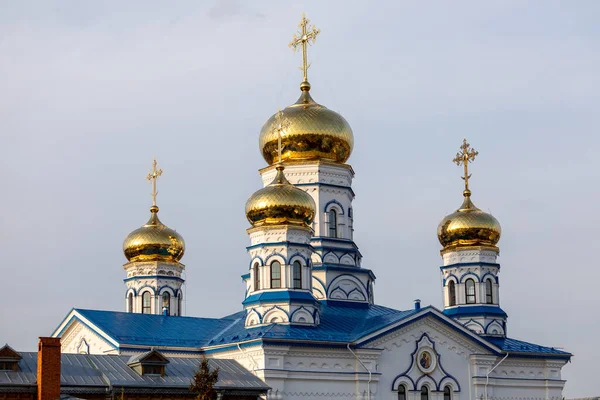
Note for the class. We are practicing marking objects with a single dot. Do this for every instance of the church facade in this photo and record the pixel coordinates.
(309, 325)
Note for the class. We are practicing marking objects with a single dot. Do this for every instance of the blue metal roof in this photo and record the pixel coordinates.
(468, 311)
(519, 346)
(280, 296)
(155, 330)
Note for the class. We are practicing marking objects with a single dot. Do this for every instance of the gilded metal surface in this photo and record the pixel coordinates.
(468, 226)
(464, 157)
(280, 203)
(302, 39)
(154, 242)
(153, 176)
(314, 132)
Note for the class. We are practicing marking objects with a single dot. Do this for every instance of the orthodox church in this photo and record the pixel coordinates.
(309, 327)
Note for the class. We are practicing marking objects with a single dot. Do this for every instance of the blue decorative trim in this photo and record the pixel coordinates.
(102, 334)
(468, 311)
(462, 278)
(304, 309)
(334, 201)
(330, 252)
(276, 308)
(280, 296)
(291, 258)
(451, 276)
(329, 290)
(288, 243)
(175, 278)
(498, 322)
(260, 317)
(470, 264)
(160, 289)
(262, 262)
(276, 255)
(327, 185)
(494, 277)
(129, 291)
(245, 276)
(476, 323)
(141, 291)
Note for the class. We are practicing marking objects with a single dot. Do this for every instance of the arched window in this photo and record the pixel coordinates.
(275, 275)
(256, 277)
(470, 291)
(146, 303)
(447, 393)
(179, 304)
(401, 392)
(333, 224)
(166, 303)
(130, 302)
(424, 393)
(452, 293)
(489, 299)
(297, 274)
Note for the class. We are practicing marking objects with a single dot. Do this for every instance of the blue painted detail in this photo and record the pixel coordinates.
(175, 278)
(301, 308)
(342, 276)
(276, 255)
(476, 323)
(499, 322)
(518, 346)
(245, 277)
(345, 268)
(291, 258)
(260, 317)
(280, 296)
(141, 290)
(469, 311)
(254, 259)
(323, 286)
(334, 201)
(494, 277)
(160, 289)
(456, 280)
(274, 244)
(102, 334)
(470, 264)
(130, 290)
(277, 308)
(471, 275)
(327, 185)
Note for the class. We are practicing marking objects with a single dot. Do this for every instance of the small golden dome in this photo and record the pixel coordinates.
(154, 242)
(469, 226)
(314, 133)
(279, 203)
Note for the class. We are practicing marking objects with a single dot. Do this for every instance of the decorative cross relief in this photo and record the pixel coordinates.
(301, 38)
(465, 156)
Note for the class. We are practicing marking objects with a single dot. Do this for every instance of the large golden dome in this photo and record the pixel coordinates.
(280, 202)
(469, 226)
(314, 133)
(154, 242)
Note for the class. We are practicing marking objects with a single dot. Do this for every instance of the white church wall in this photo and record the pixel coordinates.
(79, 339)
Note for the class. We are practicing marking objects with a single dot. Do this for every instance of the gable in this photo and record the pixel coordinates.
(78, 336)
(8, 353)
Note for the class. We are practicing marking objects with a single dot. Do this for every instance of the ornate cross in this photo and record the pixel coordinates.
(464, 157)
(303, 37)
(280, 128)
(153, 176)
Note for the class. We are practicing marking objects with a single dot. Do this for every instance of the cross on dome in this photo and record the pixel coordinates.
(153, 176)
(465, 156)
(300, 39)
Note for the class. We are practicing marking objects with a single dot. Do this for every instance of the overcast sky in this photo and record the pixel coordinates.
(91, 91)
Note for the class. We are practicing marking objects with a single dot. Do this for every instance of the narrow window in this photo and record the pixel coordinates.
(489, 299)
(401, 392)
(256, 277)
(333, 224)
(179, 304)
(166, 297)
(146, 309)
(452, 293)
(275, 275)
(447, 393)
(424, 393)
(130, 302)
(470, 291)
(297, 274)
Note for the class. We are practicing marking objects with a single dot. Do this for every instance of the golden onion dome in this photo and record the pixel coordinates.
(469, 226)
(279, 203)
(154, 242)
(313, 132)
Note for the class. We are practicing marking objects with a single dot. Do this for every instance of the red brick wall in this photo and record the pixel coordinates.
(48, 369)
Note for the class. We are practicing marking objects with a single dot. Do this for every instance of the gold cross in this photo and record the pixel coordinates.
(280, 128)
(466, 156)
(153, 176)
(302, 38)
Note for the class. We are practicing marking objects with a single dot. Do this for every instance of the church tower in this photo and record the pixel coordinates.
(154, 273)
(470, 270)
(279, 283)
(317, 142)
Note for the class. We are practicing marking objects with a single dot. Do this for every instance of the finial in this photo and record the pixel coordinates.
(153, 176)
(465, 156)
(301, 38)
(280, 127)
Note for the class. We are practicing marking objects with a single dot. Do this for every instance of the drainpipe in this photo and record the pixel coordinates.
(250, 356)
(487, 376)
(364, 366)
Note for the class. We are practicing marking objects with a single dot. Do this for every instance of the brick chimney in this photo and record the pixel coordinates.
(48, 369)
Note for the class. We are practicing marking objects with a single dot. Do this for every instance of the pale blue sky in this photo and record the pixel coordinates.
(91, 91)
